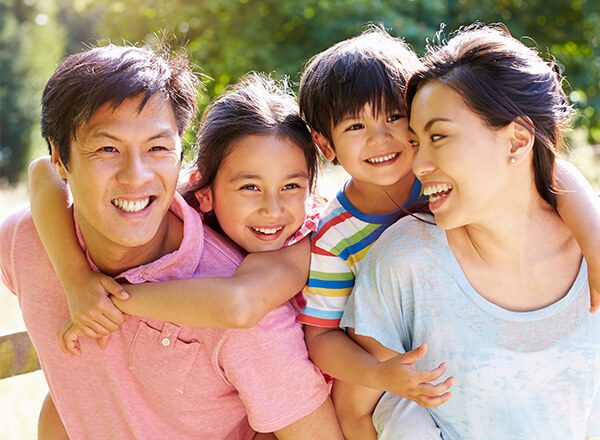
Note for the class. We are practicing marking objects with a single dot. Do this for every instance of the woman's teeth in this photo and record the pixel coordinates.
(131, 206)
(436, 192)
(382, 158)
(267, 231)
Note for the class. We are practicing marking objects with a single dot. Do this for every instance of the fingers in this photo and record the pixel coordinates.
(432, 375)
(114, 288)
(430, 390)
(68, 340)
(102, 342)
(414, 355)
(432, 402)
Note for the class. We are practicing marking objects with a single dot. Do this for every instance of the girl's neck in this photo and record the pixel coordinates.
(375, 199)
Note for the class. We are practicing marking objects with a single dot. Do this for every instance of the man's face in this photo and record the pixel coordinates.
(123, 172)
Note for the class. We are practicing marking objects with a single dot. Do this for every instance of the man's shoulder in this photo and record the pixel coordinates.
(17, 228)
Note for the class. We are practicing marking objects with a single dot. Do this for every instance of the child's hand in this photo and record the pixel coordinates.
(399, 376)
(594, 280)
(68, 339)
(91, 308)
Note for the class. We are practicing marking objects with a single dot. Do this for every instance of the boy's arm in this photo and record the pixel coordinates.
(321, 423)
(354, 407)
(263, 281)
(91, 309)
(579, 207)
(382, 369)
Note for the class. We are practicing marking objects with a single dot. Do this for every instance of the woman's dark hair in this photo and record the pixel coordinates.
(109, 75)
(256, 105)
(502, 80)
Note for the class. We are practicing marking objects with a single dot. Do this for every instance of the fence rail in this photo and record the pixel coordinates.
(17, 355)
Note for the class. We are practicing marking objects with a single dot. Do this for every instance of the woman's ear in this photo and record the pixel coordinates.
(205, 198)
(323, 145)
(522, 138)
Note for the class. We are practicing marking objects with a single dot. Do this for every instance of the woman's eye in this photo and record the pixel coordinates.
(437, 137)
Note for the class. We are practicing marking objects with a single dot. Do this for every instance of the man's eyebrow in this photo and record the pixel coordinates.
(161, 134)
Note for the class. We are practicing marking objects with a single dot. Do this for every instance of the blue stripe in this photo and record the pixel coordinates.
(322, 313)
(330, 284)
(377, 219)
(365, 242)
(333, 214)
(414, 195)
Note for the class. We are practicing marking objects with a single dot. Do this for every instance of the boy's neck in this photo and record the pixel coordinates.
(376, 199)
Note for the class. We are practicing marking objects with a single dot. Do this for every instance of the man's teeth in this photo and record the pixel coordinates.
(267, 231)
(131, 206)
(382, 158)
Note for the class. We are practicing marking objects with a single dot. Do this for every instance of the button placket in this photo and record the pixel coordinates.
(169, 335)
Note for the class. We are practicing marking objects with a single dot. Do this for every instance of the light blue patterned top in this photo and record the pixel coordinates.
(518, 375)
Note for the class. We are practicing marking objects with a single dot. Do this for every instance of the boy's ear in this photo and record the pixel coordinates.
(205, 198)
(60, 168)
(522, 138)
(323, 145)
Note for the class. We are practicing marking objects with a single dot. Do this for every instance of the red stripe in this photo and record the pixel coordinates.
(318, 322)
(334, 221)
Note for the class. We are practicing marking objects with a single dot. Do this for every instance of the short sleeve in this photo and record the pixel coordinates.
(7, 234)
(374, 308)
(269, 367)
(329, 285)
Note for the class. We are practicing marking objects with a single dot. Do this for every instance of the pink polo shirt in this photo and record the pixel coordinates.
(156, 379)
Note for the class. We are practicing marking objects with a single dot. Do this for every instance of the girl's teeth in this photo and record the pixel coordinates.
(267, 231)
(382, 158)
(131, 206)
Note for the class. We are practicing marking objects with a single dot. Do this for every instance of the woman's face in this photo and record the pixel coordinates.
(462, 164)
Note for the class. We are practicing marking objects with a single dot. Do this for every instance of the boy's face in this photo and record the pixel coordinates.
(373, 150)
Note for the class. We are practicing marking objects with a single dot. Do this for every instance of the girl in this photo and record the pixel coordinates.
(499, 287)
(255, 173)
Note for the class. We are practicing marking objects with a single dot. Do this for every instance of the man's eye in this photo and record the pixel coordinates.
(158, 148)
(107, 149)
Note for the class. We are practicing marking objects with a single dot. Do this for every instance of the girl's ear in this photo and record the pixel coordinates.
(194, 178)
(323, 145)
(60, 168)
(205, 198)
(522, 138)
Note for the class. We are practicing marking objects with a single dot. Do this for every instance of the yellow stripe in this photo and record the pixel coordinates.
(328, 292)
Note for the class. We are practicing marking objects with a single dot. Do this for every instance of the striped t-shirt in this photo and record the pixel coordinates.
(341, 241)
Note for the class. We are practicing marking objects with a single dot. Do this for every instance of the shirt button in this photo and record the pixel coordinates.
(165, 342)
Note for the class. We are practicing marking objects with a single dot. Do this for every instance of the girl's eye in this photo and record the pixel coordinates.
(291, 186)
(395, 117)
(250, 187)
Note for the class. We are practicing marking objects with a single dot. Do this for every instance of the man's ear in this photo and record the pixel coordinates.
(205, 198)
(522, 138)
(323, 145)
(60, 168)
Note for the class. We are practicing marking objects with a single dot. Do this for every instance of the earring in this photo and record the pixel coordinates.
(512, 160)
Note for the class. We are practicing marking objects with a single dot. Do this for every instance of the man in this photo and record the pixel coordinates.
(113, 118)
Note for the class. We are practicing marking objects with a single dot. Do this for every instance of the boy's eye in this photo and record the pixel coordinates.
(354, 127)
(395, 117)
(413, 143)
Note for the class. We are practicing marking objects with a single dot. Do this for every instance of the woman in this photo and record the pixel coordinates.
(498, 288)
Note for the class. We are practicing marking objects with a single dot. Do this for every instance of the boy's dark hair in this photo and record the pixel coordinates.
(256, 105)
(503, 81)
(371, 68)
(109, 75)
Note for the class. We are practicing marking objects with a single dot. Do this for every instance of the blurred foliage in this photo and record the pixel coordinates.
(229, 37)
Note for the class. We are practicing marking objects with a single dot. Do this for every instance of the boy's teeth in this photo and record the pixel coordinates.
(382, 158)
(435, 189)
(267, 231)
(131, 206)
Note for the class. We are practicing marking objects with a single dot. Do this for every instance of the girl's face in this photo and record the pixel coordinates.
(260, 191)
(462, 164)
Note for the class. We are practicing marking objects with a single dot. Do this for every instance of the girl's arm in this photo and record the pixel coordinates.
(91, 309)
(579, 207)
(263, 281)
